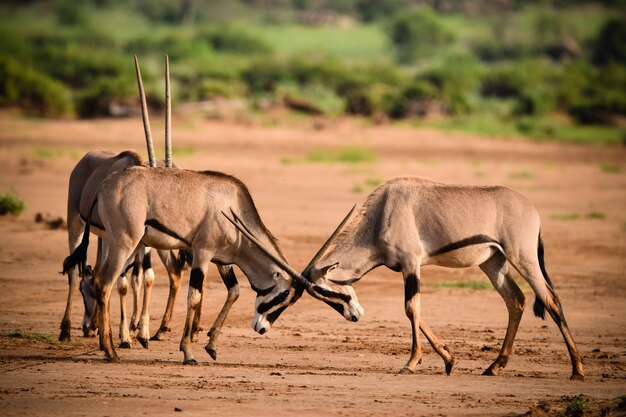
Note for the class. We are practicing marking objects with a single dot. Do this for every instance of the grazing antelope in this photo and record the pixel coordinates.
(179, 209)
(409, 222)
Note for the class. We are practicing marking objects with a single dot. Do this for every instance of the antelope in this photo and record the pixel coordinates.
(408, 222)
(84, 182)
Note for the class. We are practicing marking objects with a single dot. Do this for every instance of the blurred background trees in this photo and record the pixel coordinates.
(550, 69)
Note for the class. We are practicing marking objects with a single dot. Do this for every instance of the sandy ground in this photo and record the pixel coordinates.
(313, 362)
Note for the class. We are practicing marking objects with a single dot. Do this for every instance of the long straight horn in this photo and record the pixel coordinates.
(282, 264)
(326, 244)
(168, 115)
(144, 114)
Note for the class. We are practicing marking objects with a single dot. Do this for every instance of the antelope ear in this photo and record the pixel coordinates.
(325, 270)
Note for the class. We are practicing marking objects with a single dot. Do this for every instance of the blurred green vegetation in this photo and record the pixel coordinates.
(542, 69)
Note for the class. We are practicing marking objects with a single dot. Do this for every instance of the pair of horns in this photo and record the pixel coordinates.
(146, 118)
(303, 277)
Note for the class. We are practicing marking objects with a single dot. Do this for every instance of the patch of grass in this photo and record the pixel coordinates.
(565, 216)
(349, 155)
(474, 285)
(373, 182)
(359, 42)
(611, 168)
(288, 161)
(182, 151)
(576, 406)
(357, 189)
(597, 215)
(10, 203)
(525, 175)
(46, 153)
(39, 337)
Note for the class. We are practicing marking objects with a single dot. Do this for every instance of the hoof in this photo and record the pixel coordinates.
(157, 337)
(143, 341)
(449, 366)
(112, 359)
(65, 336)
(489, 372)
(577, 377)
(125, 345)
(190, 362)
(212, 352)
(406, 371)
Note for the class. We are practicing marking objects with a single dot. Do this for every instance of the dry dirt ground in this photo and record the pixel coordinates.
(313, 362)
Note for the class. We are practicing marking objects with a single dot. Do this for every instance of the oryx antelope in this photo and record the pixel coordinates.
(409, 222)
(180, 209)
(84, 182)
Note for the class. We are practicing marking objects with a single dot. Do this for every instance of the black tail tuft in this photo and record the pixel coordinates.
(79, 256)
(539, 308)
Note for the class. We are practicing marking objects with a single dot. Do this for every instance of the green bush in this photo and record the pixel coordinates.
(227, 39)
(418, 33)
(594, 95)
(11, 204)
(97, 100)
(611, 43)
(23, 86)
(375, 9)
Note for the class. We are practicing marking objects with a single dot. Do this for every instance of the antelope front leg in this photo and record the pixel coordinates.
(230, 280)
(103, 293)
(122, 290)
(143, 335)
(196, 327)
(440, 348)
(412, 310)
(194, 297)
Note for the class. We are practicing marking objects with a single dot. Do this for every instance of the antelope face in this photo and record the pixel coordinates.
(88, 291)
(271, 302)
(339, 294)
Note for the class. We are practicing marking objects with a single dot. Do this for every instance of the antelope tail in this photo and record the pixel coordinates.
(539, 308)
(79, 256)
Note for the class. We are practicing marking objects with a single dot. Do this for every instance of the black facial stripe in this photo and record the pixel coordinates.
(331, 294)
(197, 278)
(279, 299)
(262, 292)
(411, 287)
(274, 314)
(473, 240)
(163, 229)
(147, 261)
(336, 306)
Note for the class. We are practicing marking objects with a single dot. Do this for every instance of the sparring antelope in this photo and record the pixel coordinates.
(409, 222)
(84, 182)
(180, 209)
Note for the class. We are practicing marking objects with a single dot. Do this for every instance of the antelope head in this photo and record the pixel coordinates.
(287, 285)
(327, 284)
(339, 295)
